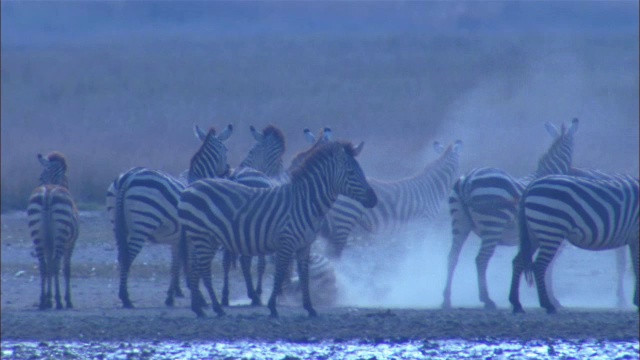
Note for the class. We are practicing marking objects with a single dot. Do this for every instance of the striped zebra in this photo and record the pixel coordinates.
(591, 213)
(53, 226)
(485, 201)
(399, 202)
(142, 205)
(283, 220)
(265, 156)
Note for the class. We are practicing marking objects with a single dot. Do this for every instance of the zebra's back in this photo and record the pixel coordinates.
(147, 198)
(592, 213)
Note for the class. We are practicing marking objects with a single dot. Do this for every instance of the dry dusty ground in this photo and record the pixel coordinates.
(97, 315)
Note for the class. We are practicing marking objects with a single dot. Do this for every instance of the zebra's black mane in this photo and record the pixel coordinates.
(58, 157)
(553, 149)
(271, 130)
(319, 151)
(212, 132)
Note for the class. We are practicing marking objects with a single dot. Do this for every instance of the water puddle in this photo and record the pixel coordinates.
(436, 349)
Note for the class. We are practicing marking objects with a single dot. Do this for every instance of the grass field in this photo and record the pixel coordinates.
(121, 99)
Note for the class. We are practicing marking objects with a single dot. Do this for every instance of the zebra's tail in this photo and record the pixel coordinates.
(525, 244)
(120, 225)
(47, 231)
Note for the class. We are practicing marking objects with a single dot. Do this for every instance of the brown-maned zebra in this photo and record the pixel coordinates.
(53, 225)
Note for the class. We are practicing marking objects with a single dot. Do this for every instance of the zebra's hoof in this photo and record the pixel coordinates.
(551, 310)
(313, 313)
(518, 309)
(169, 302)
(490, 305)
(179, 293)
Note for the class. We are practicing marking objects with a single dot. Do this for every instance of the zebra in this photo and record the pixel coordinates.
(142, 205)
(591, 213)
(485, 201)
(284, 219)
(263, 168)
(53, 226)
(401, 201)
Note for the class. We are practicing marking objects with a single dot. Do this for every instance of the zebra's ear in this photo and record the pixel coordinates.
(358, 149)
(574, 126)
(457, 146)
(224, 135)
(327, 134)
(44, 161)
(552, 130)
(309, 136)
(256, 134)
(200, 134)
(437, 147)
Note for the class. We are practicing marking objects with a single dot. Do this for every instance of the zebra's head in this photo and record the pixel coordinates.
(558, 159)
(55, 168)
(352, 182)
(210, 161)
(325, 136)
(266, 154)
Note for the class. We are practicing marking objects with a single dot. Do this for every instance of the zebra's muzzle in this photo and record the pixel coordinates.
(370, 199)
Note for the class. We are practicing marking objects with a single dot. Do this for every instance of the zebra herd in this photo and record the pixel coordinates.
(262, 209)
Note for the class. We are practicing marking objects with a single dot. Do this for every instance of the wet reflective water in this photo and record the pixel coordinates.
(436, 349)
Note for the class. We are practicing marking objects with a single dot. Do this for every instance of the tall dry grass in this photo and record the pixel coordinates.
(132, 102)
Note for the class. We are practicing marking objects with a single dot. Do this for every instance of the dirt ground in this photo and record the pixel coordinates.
(98, 315)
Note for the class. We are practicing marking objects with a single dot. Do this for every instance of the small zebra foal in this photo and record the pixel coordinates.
(53, 225)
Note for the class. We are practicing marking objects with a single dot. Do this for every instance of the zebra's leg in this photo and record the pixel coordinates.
(460, 229)
(636, 269)
(174, 285)
(205, 274)
(43, 283)
(548, 278)
(546, 254)
(262, 265)
(67, 279)
(514, 293)
(487, 248)
(228, 258)
(245, 262)
(56, 277)
(283, 259)
(50, 272)
(194, 286)
(133, 247)
(621, 265)
(302, 259)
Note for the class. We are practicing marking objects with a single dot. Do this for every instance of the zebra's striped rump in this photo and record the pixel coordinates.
(591, 213)
(283, 220)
